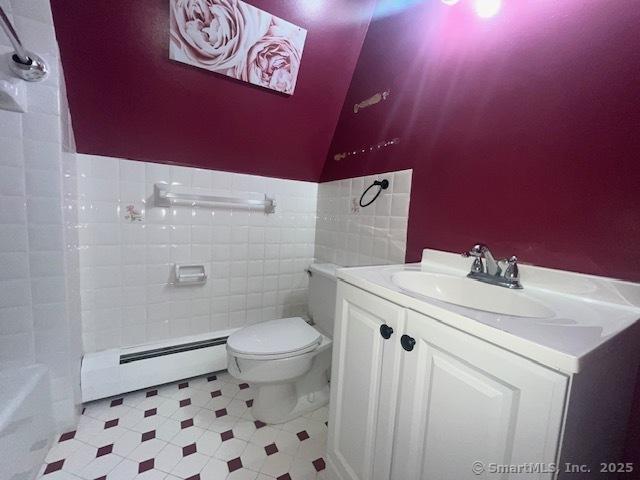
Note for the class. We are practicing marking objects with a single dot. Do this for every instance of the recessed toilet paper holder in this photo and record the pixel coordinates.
(189, 274)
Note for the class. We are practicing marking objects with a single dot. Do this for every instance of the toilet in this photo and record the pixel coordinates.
(288, 360)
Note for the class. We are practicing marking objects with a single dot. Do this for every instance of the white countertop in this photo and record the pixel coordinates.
(588, 311)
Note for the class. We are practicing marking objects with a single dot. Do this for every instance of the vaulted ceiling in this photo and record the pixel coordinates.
(128, 99)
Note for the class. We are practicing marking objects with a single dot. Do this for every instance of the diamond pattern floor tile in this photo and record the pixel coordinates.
(253, 457)
(242, 474)
(67, 436)
(190, 465)
(195, 429)
(234, 464)
(54, 466)
(231, 449)
(168, 457)
(277, 465)
(214, 470)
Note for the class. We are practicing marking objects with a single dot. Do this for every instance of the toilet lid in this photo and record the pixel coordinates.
(275, 337)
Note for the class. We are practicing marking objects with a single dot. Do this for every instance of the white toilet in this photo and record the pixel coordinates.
(287, 360)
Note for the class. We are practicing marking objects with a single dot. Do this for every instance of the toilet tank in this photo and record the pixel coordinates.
(322, 296)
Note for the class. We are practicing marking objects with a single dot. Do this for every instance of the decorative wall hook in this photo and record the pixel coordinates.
(377, 98)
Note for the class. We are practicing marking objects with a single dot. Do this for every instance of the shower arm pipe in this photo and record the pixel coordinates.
(20, 52)
(23, 63)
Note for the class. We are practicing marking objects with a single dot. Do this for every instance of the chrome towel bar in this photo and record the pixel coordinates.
(166, 196)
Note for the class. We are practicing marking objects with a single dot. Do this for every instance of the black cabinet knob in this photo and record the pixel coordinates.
(386, 331)
(407, 342)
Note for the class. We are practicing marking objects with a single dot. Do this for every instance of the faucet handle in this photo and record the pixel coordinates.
(479, 249)
(476, 266)
(472, 253)
(512, 273)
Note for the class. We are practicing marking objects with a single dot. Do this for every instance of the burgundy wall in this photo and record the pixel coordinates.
(129, 100)
(523, 130)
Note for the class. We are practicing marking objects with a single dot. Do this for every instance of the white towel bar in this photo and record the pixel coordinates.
(165, 196)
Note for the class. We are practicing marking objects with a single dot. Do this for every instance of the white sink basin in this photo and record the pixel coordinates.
(471, 294)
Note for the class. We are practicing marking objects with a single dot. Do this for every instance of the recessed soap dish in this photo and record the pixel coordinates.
(189, 274)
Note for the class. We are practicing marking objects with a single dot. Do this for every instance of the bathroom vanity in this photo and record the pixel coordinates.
(438, 376)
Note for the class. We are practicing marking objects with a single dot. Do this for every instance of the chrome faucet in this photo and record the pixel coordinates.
(490, 271)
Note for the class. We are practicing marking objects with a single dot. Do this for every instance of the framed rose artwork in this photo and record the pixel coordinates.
(238, 40)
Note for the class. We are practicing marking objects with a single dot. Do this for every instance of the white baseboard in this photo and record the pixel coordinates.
(102, 374)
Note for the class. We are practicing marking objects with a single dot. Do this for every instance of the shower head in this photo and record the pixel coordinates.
(24, 64)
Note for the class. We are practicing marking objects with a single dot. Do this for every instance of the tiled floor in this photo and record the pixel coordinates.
(196, 429)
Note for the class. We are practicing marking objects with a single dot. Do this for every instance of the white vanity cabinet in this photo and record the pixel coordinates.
(366, 369)
(431, 400)
(463, 400)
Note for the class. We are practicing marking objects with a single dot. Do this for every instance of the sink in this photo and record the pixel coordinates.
(471, 294)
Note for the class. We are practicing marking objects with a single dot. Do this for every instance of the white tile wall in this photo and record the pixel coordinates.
(74, 267)
(255, 262)
(349, 235)
(38, 323)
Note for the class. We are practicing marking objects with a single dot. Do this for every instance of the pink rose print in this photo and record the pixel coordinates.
(236, 39)
(217, 34)
(274, 61)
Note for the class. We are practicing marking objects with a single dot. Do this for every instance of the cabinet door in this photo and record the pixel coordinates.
(364, 385)
(463, 400)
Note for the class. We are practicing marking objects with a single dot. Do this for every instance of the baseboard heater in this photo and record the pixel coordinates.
(116, 371)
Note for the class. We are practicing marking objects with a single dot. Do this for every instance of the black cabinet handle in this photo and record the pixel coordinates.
(386, 331)
(407, 342)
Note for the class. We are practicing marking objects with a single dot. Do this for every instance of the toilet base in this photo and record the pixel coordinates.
(273, 403)
(281, 402)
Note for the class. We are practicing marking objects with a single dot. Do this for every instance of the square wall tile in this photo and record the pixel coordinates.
(138, 258)
(351, 235)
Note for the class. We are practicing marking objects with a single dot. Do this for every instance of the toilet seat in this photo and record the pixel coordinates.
(275, 339)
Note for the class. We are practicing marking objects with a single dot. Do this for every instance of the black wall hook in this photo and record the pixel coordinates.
(383, 184)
